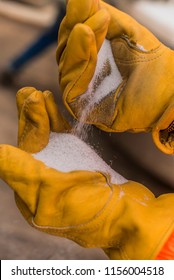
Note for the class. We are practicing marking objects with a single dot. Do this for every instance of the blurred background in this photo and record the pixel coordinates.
(28, 39)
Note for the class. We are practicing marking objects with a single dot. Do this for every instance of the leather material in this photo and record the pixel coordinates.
(146, 95)
(38, 114)
(126, 220)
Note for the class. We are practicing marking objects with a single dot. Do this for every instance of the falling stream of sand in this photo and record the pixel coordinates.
(105, 80)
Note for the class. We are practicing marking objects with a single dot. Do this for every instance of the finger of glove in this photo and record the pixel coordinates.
(57, 121)
(34, 128)
(77, 69)
(22, 173)
(99, 24)
(76, 12)
(122, 25)
(22, 96)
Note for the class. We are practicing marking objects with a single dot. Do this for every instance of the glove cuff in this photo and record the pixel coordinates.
(163, 132)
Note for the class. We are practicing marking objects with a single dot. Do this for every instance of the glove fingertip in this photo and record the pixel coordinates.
(99, 24)
(79, 12)
(22, 96)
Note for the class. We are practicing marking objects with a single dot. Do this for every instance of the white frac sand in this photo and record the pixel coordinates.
(109, 82)
(66, 152)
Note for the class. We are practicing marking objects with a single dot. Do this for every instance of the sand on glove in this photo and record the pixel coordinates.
(66, 152)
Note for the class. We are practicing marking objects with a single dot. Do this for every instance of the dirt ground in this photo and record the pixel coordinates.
(17, 239)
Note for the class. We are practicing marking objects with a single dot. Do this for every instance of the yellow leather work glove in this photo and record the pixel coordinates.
(125, 220)
(144, 99)
(38, 114)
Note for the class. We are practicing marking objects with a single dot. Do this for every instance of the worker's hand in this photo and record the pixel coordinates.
(144, 100)
(126, 220)
(38, 115)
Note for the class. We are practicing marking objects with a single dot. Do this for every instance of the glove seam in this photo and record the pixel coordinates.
(134, 61)
(105, 128)
(137, 52)
(80, 227)
(100, 217)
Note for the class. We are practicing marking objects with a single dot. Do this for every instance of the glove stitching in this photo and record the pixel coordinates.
(31, 222)
(61, 234)
(105, 128)
(80, 227)
(76, 229)
(133, 61)
(74, 238)
(138, 52)
(106, 212)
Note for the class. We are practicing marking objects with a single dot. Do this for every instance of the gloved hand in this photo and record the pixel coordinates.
(38, 114)
(144, 100)
(126, 220)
